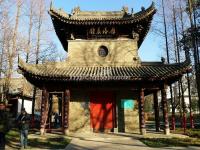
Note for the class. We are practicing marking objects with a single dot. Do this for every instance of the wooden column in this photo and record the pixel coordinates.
(43, 111)
(141, 112)
(156, 111)
(165, 112)
(66, 111)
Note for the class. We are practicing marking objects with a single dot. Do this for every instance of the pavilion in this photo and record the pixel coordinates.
(102, 69)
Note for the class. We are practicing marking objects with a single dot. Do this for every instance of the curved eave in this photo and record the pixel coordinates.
(137, 17)
(142, 18)
(95, 74)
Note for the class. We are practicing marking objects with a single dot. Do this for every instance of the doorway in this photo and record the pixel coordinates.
(102, 111)
(55, 111)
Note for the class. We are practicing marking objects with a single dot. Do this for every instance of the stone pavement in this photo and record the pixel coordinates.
(98, 141)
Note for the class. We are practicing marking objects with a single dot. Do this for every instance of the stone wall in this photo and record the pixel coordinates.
(120, 52)
(131, 121)
(128, 119)
(79, 116)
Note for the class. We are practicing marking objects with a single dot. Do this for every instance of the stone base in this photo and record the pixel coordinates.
(158, 130)
(143, 131)
(167, 131)
(115, 130)
(42, 131)
(66, 131)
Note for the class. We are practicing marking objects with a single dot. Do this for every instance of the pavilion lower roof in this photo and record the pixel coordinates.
(147, 72)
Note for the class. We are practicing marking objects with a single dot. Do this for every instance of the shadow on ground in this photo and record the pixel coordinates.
(36, 141)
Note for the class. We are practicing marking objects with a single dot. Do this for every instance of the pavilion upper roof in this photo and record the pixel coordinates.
(79, 24)
(102, 17)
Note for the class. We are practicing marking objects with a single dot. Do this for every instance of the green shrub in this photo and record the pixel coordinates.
(170, 142)
(193, 133)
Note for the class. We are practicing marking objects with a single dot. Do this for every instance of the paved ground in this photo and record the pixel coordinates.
(120, 141)
(94, 141)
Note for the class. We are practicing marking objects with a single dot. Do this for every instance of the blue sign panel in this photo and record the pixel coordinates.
(127, 103)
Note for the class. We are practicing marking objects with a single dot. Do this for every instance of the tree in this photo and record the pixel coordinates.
(194, 105)
(27, 34)
(148, 104)
(176, 22)
(194, 8)
(12, 53)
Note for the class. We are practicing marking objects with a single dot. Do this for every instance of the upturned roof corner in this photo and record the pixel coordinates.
(85, 16)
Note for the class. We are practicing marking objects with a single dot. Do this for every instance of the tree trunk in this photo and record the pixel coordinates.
(165, 111)
(167, 51)
(187, 57)
(37, 50)
(13, 52)
(29, 31)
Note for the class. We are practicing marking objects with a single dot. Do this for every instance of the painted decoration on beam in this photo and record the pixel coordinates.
(127, 103)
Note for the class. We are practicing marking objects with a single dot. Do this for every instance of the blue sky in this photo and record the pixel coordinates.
(150, 49)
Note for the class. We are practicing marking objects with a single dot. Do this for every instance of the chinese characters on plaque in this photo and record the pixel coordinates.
(102, 31)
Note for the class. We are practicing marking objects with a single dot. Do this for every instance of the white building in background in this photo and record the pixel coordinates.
(27, 105)
(186, 93)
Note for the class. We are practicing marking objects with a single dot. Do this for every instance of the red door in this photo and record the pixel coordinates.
(102, 111)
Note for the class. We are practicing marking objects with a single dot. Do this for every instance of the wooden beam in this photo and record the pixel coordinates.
(66, 111)
(44, 110)
(114, 85)
(141, 112)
